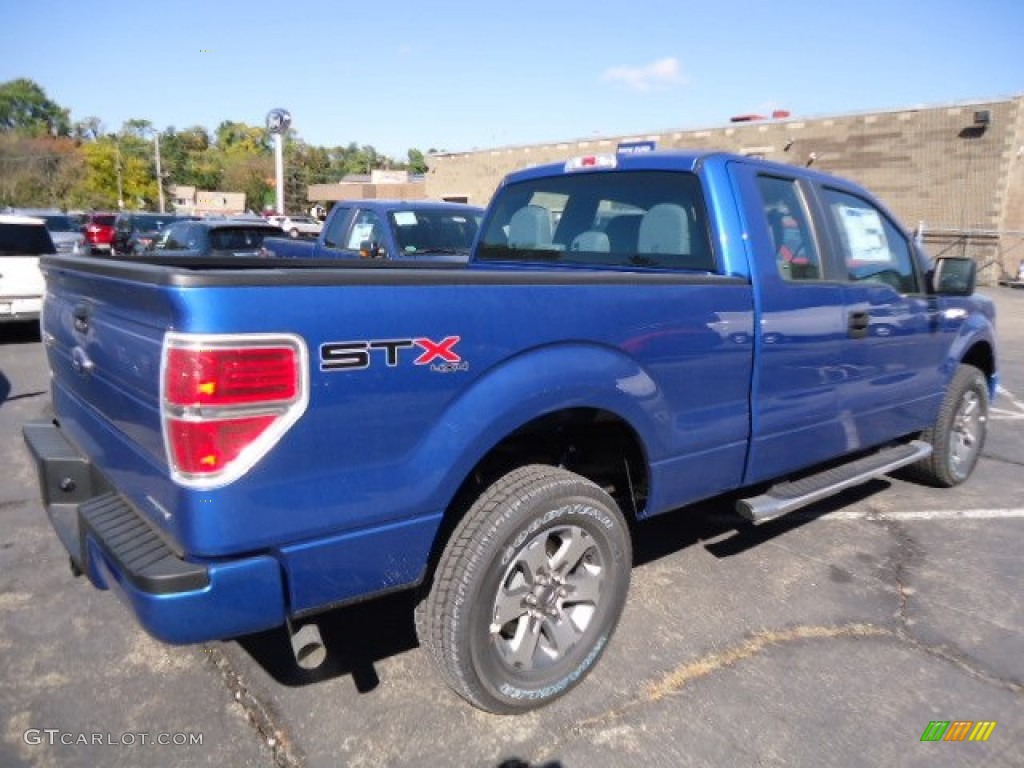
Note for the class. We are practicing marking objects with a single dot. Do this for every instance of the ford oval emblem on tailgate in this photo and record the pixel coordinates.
(82, 318)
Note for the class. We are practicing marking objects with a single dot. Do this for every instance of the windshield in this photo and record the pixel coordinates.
(436, 231)
(151, 223)
(631, 219)
(61, 223)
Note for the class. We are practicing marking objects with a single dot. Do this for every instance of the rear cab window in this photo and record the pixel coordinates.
(623, 219)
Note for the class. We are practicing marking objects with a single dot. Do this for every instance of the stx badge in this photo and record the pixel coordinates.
(360, 355)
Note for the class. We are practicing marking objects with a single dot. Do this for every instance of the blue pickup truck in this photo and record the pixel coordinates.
(387, 229)
(244, 446)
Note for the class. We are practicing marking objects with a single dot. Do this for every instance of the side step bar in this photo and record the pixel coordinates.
(790, 495)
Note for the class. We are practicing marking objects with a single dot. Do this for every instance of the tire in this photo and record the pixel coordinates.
(528, 590)
(958, 435)
(293, 233)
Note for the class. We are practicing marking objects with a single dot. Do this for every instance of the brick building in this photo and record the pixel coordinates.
(957, 170)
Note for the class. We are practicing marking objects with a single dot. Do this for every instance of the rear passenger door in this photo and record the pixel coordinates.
(895, 347)
(797, 419)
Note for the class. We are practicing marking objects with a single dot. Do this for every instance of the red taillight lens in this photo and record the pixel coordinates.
(205, 447)
(227, 400)
(231, 376)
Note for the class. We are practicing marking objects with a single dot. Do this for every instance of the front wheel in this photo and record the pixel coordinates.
(528, 590)
(958, 434)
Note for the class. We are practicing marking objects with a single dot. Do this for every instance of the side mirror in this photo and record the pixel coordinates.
(954, 276)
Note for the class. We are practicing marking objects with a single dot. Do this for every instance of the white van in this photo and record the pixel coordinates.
(23, 239)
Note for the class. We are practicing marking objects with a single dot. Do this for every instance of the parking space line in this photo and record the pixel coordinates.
(1002, 392)
(926, 514)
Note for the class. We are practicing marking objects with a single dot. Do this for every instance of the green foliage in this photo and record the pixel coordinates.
(24, 107)
(417, 163)
(40, 166)
(37, 171)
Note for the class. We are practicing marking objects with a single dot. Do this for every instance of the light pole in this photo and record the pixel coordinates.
(159, 170)
(120, 190)
(278, 121)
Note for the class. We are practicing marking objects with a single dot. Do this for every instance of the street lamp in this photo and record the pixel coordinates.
(159, 170)
(278, 121)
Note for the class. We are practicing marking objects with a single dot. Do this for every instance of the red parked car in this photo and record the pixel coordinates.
(99, 230)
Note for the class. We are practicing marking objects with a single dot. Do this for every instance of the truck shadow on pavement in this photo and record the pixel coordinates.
(358, 636)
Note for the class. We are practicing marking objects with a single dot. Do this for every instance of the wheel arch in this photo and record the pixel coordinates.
(587, 408)
(981, 355)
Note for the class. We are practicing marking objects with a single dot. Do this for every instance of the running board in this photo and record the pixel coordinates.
(787, 496)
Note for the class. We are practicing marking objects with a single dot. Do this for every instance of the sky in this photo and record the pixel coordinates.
(456, 76)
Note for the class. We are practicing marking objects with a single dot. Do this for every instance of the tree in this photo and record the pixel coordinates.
(37, 170)
(249, 174)
(235, 137)
(24, 107)
(89, 129)
(98, 185)
(417, 163)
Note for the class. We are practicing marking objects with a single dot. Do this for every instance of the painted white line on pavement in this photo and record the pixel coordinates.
(1000, 415)
(926, 514)
(1001, 392)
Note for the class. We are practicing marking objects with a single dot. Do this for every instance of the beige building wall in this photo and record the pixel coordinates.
(932, 166)
(328, 193)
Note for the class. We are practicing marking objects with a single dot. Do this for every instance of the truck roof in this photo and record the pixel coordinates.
(406, 205)
(656, 160)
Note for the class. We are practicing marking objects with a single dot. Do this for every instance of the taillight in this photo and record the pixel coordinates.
(226, 400)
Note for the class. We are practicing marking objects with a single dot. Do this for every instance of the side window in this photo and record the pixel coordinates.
(873, 248)
(785, 212)
(366, 227)
(172, 238)
(334, 236)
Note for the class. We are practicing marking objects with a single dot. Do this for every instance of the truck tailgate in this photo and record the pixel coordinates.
(102, 334)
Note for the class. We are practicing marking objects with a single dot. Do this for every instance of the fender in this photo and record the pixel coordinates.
(974, 341)
(530, 385)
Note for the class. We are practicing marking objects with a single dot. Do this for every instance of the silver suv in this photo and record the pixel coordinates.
(66, 230)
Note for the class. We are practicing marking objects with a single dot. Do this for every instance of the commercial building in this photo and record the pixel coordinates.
(955, 171)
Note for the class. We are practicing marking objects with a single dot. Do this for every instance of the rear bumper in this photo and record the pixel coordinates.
(14, 309)
(174, 599)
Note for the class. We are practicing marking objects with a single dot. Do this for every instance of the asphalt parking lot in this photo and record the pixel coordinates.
(831, 637)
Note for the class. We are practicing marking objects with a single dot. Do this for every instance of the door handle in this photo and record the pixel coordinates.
(857, 328)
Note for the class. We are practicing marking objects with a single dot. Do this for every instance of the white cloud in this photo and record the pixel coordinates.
(656, 76)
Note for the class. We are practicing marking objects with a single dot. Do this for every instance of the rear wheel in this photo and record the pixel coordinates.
(293, 233)
(528, 591)
(958, 435)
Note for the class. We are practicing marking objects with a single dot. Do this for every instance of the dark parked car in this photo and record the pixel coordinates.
(136, 233)
(214, 237)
